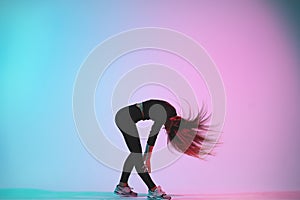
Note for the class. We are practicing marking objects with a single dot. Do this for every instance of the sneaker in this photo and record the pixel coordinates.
(158, 193)
(125, 191)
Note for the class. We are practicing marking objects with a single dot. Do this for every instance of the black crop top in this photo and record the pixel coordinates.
(157, 110)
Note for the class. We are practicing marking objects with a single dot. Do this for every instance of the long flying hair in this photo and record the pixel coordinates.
(190, 136)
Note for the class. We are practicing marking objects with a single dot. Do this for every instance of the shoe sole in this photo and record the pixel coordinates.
(125, 195)
(157, 198)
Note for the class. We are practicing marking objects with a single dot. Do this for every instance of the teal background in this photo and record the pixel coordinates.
(43, 44)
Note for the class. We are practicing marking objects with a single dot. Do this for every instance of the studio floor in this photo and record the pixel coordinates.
(44, 194)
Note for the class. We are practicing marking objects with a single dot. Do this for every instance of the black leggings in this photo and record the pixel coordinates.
(135, 159)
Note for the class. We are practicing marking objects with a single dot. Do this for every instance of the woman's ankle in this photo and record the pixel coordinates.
(152, 189)
(123, 184)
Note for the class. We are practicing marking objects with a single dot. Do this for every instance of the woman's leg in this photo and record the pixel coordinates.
(135, 158)
(127, 168)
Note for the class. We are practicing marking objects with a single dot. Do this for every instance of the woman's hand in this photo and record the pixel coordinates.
(147, 164)
(147, 158)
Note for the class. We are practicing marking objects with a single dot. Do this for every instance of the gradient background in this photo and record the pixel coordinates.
(254, 44)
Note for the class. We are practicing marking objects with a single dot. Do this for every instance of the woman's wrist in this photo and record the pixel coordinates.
(147, 156)
(148, 152)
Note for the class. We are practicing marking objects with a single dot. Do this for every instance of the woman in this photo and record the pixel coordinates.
(186, 136)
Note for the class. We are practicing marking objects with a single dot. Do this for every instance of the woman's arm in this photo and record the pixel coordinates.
(147, 157)
(148, 152)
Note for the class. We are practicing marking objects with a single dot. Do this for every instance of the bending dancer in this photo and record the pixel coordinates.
(186, 136)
